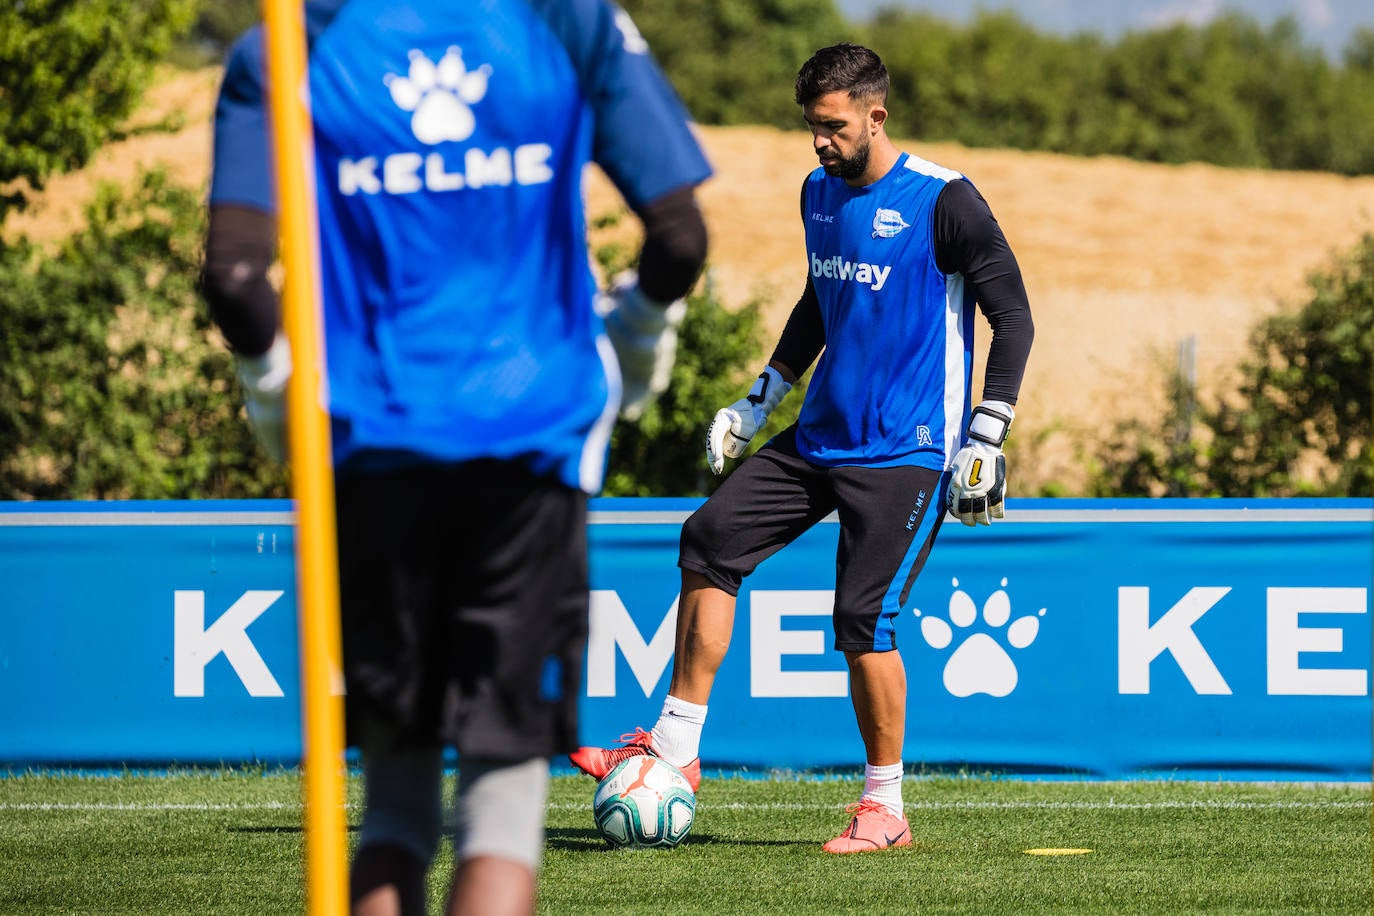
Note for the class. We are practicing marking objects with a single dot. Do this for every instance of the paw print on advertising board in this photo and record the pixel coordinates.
(980, 662)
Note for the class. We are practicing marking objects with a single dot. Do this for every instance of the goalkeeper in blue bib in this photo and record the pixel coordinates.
(898, 252)
(474, 374)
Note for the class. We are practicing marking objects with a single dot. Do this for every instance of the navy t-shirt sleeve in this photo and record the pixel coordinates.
(969, 241)
(242, 172)
(643, 140)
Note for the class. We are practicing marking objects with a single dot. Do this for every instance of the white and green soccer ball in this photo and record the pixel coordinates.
(644, 802)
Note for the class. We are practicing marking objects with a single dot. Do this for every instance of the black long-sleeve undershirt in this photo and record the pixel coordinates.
(967, 240)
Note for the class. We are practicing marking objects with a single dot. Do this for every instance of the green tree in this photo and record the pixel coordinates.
(1230, 92)
(114, 385)
(735, 61)
(995, 82)
(70, 74)
(1298, 423)
(111, 385)
(663, 453)
(219, 22)
(720, 351)
(1352, 145)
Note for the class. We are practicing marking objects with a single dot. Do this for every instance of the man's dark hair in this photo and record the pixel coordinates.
(842, 68)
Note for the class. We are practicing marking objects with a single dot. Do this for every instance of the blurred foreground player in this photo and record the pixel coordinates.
(898, 251)
(472, 382)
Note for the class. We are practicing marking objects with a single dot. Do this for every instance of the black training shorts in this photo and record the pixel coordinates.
(888, 521)
(464, 597)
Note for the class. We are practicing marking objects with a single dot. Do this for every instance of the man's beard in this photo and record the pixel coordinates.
(849, 167)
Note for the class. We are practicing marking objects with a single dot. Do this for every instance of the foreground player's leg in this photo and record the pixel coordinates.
(498, 837)
(401, 824)
(878, 687)
(387, 880)
(706, 617)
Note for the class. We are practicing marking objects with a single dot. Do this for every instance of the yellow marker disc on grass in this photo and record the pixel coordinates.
(1056, 852)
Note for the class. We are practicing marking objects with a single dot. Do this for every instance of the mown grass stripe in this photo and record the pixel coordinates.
(230, 843)
(738, 806)
(151, 806)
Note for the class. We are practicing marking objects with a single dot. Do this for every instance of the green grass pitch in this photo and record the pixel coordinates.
(229, 841)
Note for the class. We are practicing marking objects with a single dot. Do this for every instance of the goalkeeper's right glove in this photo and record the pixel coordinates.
(734, 426)
(264, 385)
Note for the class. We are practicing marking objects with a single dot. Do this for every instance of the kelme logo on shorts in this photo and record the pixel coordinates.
(887, 223)
(440, 96)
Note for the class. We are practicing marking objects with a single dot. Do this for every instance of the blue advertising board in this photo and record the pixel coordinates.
(1101, 638)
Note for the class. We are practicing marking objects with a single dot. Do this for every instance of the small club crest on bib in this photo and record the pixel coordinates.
(887, 224)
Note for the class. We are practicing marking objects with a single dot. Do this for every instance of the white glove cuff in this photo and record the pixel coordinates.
(990, 422)
(268, 373)
(638, 313)
(769, 390)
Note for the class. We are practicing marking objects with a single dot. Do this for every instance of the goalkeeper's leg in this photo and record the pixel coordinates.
(706, 616)
(889, 520)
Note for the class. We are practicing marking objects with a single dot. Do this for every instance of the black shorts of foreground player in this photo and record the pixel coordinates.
(899, 252)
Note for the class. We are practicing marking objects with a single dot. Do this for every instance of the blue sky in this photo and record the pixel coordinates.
(1325, 23)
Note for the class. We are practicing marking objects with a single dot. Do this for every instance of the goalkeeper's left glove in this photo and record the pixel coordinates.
(264, 385)
(735, 426)
(979, 471)
(644, 335)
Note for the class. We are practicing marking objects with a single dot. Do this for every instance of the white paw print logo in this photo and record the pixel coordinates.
(439, 95)
(980, 664)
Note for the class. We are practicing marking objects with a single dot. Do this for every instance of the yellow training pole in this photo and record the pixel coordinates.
(317, 564)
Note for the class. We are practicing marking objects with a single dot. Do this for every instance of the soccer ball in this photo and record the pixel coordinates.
(644, 802)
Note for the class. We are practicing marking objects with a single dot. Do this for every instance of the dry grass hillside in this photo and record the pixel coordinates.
(1122, 260)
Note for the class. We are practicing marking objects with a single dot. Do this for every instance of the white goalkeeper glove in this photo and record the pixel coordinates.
(734, 426)
(980, 470)
(264, 385)
(644, 335)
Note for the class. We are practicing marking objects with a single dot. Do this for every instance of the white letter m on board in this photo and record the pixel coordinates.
(195, 645)
(613, 629)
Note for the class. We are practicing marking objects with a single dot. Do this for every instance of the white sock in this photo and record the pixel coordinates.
(677, 735)
(884, 784)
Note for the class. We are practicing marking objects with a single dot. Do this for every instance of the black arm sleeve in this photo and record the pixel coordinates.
(239, 249)
(969, 241)
(675, 244)
(803, 337)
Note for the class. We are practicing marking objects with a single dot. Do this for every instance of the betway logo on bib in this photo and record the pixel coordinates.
(837, 268)
(440, 97)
